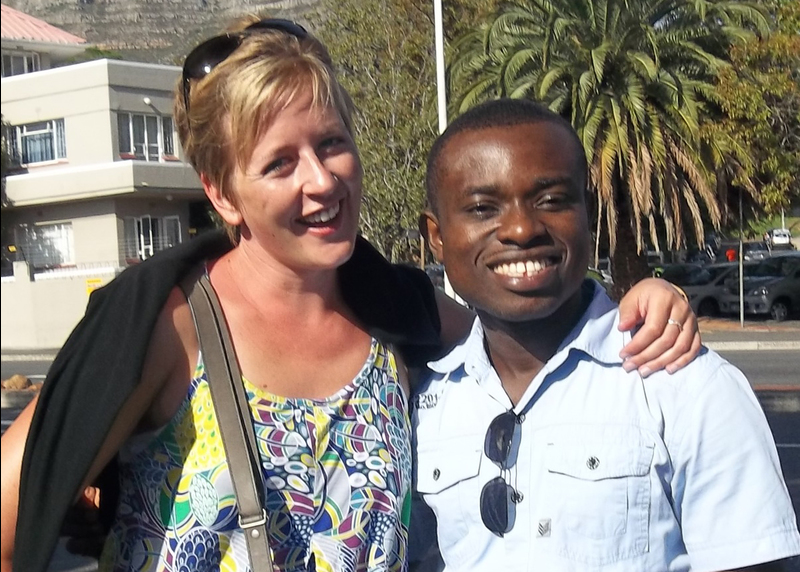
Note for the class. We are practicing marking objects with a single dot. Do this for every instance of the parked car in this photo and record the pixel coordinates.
(779, 238)
(755, 251)
(771, 287)
(703, 284)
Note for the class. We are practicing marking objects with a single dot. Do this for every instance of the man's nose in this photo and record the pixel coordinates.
(520, 226)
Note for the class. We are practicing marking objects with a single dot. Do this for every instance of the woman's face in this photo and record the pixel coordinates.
(298, 198)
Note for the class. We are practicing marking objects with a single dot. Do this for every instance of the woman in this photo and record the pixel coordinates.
(266, 124)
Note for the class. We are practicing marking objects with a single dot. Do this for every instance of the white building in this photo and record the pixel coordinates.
(96, 181)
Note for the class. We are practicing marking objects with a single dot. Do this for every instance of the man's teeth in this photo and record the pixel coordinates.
(520, 269)
(323, 216)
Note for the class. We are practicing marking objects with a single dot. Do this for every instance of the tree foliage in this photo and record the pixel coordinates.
(760, 98)
(383, 50)
(635, 79)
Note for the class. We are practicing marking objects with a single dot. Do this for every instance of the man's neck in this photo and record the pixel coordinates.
(519, 350)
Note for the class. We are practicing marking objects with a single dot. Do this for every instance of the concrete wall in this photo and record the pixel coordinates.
(41, 314)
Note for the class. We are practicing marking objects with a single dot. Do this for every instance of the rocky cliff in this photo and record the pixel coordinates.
(159, 31)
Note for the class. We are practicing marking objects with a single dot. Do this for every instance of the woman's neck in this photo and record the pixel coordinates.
(265, 284)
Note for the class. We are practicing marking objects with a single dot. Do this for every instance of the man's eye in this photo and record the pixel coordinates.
(554, 200)
(480, 209)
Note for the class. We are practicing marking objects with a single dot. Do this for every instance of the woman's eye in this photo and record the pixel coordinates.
(333, 141)
(275, 166)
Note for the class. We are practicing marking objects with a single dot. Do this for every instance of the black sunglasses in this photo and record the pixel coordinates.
(498, 498)
(212, 52)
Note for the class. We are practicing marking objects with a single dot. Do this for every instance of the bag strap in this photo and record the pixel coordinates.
(233, 417)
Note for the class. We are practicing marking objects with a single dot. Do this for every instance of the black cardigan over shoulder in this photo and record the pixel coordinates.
(101, 362)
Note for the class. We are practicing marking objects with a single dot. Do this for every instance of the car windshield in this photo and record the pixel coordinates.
(772, 267)
(693, 275)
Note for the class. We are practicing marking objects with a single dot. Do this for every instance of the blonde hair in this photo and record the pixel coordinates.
(231, 107)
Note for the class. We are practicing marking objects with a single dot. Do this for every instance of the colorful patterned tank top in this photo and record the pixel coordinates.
(337, 472)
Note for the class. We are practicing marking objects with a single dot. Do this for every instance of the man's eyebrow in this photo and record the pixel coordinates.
(550, 182)
(481, 190)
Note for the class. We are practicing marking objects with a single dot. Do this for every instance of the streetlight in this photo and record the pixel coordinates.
(441, 99)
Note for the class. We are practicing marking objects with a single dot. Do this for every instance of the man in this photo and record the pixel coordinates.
(536, 449)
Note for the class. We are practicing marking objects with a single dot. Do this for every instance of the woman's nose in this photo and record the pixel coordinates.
(315, 176)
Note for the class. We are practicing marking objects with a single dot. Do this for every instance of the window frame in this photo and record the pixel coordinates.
(60, 235)
(135, 131)
(31, 62)
(145, 235)
(56, 130)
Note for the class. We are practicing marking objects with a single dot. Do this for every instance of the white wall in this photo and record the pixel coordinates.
(41, 314)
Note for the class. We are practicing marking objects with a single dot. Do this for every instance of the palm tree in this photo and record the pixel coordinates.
(635, 78)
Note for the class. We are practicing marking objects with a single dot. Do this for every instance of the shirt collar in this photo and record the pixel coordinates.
(595, 334)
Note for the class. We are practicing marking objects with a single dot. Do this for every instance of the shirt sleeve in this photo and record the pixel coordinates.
(729, 493)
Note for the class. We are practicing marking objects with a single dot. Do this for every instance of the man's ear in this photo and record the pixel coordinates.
(226, 209)
(429, 227)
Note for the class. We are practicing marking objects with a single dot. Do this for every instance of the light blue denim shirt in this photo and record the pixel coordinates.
(617, 473)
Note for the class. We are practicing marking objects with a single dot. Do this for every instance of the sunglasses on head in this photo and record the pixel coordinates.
(212, 52)
(498, 498)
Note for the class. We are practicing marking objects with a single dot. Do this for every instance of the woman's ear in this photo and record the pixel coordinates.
(226, 208)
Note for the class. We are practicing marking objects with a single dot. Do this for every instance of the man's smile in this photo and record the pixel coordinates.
(523, 268)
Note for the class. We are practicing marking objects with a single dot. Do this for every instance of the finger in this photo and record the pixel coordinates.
(90, 497)
(669, 349)
(686, 358)
(658, 338)
(653, 329)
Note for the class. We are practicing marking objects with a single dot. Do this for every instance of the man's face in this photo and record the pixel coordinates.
(511, 228)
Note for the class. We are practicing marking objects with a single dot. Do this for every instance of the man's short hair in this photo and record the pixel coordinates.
(498, 113)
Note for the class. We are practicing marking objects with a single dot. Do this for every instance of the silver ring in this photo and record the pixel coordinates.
(672, 322)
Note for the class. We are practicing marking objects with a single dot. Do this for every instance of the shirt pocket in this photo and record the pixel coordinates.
(598, 485)
(447, 479)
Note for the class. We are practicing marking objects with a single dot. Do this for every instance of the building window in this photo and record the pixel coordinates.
(39, 142)
(45, 246)
(17, 63)
(145, 137)
(146, 235)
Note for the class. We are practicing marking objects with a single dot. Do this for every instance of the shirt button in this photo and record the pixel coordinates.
(436, 474)
(592, 463)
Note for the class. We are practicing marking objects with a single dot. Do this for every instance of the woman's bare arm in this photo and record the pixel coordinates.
(13, 446)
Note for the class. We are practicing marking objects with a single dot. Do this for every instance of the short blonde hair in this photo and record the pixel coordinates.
(231, 107)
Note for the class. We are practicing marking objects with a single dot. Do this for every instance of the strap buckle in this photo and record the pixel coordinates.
(253, 522)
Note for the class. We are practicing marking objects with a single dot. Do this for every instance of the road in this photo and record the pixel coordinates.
(765, 368)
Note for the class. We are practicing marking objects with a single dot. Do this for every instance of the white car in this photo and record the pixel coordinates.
(779, 237)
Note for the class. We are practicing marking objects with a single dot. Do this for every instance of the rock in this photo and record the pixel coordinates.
(17, 382)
